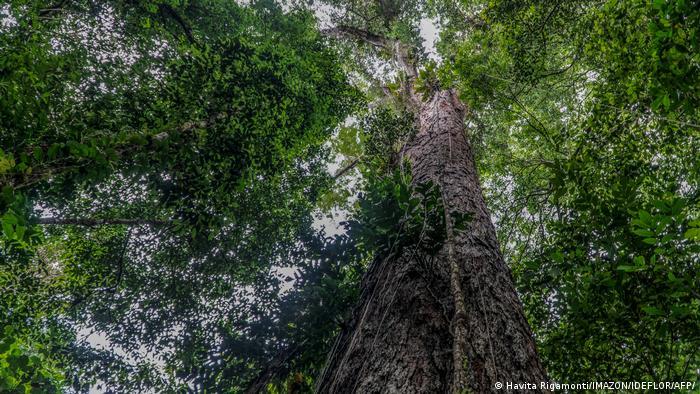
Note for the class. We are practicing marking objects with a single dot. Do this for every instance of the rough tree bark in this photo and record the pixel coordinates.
(447, 323)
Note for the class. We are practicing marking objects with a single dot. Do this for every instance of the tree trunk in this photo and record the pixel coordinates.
(445, 323)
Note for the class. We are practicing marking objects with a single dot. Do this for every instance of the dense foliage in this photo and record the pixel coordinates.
(185, 142)
(162, 164)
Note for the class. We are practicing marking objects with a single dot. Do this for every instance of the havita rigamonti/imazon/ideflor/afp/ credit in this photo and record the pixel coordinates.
(605, 385)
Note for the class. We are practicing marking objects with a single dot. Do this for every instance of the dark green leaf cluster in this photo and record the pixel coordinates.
(392, 215)
(384, 135)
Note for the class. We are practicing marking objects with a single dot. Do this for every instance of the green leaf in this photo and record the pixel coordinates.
(677, 206)
(8, 229)
(10, 218)
(692, 234)
(680, 311)
(666, 101)
(6, 164)
(645, 217)
(643, 233)
(53, 151)
(627, 268)
(38, 154)
(653, 311)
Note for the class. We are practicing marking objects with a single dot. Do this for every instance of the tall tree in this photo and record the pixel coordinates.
(161, 159)
(600, 101)
(446, 319)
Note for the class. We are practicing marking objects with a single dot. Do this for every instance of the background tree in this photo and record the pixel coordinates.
(601, 204)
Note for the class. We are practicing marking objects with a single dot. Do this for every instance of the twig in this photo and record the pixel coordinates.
(92, 222)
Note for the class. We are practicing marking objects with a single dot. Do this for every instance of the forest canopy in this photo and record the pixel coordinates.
(214, 196)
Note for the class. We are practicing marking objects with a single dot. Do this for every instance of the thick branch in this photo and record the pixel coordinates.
(169, 11)
(405, 61)
(345, 169)
(51, 10)
(354, 33)
(401, 53)
(91, 222)
(67, 164)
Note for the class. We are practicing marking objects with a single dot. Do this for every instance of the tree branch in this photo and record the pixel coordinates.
(91, 222)
(53, 9)
(354, 33)
(401, 53)
(172, 13)
(345, 169)
(405, 61)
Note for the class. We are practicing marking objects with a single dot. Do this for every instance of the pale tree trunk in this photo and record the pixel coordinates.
(445, 323)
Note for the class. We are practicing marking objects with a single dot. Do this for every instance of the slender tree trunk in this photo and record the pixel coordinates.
(447, 323)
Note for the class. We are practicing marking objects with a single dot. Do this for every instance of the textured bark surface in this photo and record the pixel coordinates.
(407, 333)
